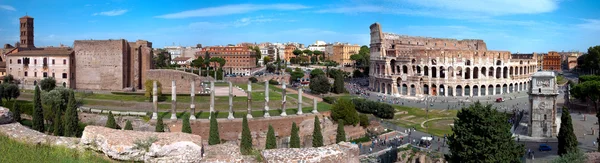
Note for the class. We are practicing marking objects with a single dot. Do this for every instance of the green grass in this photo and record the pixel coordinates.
(415, 116)
(14, 151)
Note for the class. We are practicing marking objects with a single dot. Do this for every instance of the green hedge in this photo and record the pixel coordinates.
(167, 94)
(329, 100)
(26, 107)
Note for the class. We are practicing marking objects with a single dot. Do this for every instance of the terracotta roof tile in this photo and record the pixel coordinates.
(43, 52)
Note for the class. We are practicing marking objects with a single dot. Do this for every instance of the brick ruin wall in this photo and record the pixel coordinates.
(231, 129)
(182, 80)
(416, 42)
(99, 64)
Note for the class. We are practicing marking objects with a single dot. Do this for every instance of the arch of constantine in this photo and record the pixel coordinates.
(416, 66)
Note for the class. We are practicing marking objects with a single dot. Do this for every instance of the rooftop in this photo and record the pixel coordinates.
(45, 52)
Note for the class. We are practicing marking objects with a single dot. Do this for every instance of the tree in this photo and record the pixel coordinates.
(341, 134)
(297, 52)
(317, 135)
(10, 91)
(257, 53)
(246, 144)
(475, 140)
(271, 142)
(567, 142)
(343, 109)
(111, 123)
(128, 125)
(16, 111)
(149, 85)
(338, 84)
(71, 117)
(213, 137)
(38, 113)
(267, 59)
(317, 53)
(591, 61)
(278, 60)
(308, 52)
(253, 79)
(198, 62)
(162, 59)
(571, 157)
(316, 72)
(319, 84)
(9, 79)
(57, 126)
(185, 127)
(160, 126)
(289, 70)
(48, 84)
(294, 137)
(298, 73)
(588, 91)
(364, 120)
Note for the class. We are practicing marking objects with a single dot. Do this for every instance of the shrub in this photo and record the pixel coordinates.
(271, 142)
(343, 109)
(329, 100)
(16, 111)
(148, 85)
(341, 134)
(319, 84)
(253, 79)
(357, 74)
(144, 144)
(111, 123)
(71, 117)
(160, 127)
(364, 120)
(186, 128)
(214, 137)
(128, 125)
(317, 135)
(294, 137)
(48, 84)
(338, 84)
(246, 144)
(273, 82)
(57, 126)
(38, 113)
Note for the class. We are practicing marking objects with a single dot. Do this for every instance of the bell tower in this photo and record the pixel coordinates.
(26, 26)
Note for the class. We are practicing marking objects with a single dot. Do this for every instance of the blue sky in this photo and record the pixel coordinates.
(514, 25)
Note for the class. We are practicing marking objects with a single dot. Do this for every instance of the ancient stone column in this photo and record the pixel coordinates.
(266, 99)
(212, 99)
(173, 100)
(192, 95)
(230, 101)
(283, 113)
(249, 115)
(155, 100)
(315, 106)
(299, 112)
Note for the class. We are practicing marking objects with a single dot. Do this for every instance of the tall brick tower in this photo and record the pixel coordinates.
(26, 32)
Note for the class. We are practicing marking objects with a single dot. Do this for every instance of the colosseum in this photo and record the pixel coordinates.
(419, 66)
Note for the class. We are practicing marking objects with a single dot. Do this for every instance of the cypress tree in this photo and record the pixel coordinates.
(294, 137)
(271, 142)
(214, 137)
(159, 125)
(16, 112)
(128, 125)
(58, 127)
(38, 113)
(338, 84)
(246, 145)
(341, 134)
(567, 142)
(71, 118)
(186, 128)
(317, 135)
(111, 123)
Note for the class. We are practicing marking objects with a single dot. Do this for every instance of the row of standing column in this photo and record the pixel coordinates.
(212, 100)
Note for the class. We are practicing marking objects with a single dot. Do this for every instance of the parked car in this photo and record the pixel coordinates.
(499, 100)
(544, 147)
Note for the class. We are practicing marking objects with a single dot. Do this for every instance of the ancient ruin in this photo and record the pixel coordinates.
(192, 95)
(154, 100)
(299, 101)
(542, 96)
(173, 100)
(249, 115)
(416, 66)
(266, 99)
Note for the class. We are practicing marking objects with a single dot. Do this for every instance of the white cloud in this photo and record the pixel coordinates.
(590, 24)
(251, 20)
(111, 13)
(7, 7)
(353, 9)
(230, 10)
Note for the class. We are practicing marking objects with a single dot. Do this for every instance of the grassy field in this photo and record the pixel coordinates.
(13, 151)
(413, 117)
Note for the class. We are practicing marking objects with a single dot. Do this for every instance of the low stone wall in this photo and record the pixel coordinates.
(143, 146)
(231, 129)
(343, 152)
(24, 134)
(182, 80)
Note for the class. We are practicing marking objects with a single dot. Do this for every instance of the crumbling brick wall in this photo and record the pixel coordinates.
(100, 64)
(182, 80)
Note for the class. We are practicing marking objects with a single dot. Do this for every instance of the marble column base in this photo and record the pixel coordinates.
(173, 116)
(154, 115)
(230, 116)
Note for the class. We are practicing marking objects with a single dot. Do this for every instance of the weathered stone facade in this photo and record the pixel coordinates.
(342, 152)
(542, 97)
(182, 80)
(416, 66)
(111, 64)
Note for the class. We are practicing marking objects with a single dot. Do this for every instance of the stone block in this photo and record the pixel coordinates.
(5, 116)
(342, 152)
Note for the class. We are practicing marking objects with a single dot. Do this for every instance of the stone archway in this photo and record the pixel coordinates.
(393, 65)
(475, 90)
(504, 88)
(491, 90)
(483, 90)
(433, 72)
(467, 90)
(442, 90)
(459, 90)
(413, 90)
(451, 71)
(442, 72)
(467, 73)
(498, 73)
(404, 89)
(426, 71)
(498, 89)
(511, 88)
(433, 90)
(404, 69)
(425, 89)
(505, 72)
(389, 89)
(483, 72)
(450, 91)
(476, 73)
